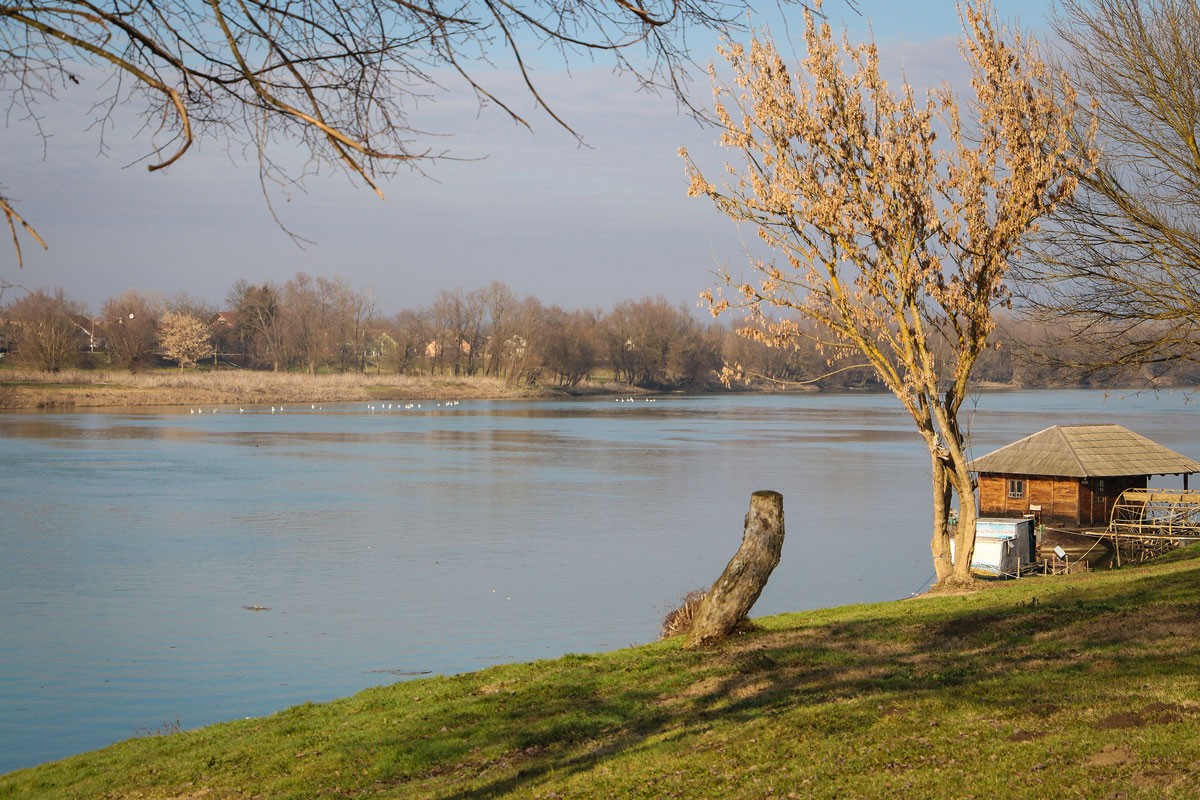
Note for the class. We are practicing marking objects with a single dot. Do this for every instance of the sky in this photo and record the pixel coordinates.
(577, 226)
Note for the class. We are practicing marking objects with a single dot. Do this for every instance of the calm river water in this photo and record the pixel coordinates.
(391, 542)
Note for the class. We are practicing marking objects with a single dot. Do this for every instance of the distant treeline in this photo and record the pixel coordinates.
(317, 324)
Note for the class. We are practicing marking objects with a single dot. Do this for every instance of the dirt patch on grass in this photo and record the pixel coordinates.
(1111, 756)
(1153, 623)
(789, 639)
(966, 626)
(747, 690)
(1153, 714)
(705, 687)
(1165, 780)
(954, 586)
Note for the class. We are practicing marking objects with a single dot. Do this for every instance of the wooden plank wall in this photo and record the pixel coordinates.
(1058, 497)
(992, 496)
(1064, 501)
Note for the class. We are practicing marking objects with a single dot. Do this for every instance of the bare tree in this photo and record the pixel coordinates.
(892, 244)
(130, 327)
(183, 302)
(458, 323)
(343, 80)
(348, 311)
(1121, 261)
(411, 331)
(567, 343)
(49, 330)
(307, 321)
(654, 344)
(519, 362)
(643, 339)
(696, 358)
(500, 306)
(260, 323)
(184, 339)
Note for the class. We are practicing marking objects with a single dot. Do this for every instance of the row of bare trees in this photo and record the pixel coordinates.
(49, 331)
(306, 323)
(316, 324)
(493, 332)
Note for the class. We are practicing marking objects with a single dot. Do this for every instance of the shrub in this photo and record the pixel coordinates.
(679, 621)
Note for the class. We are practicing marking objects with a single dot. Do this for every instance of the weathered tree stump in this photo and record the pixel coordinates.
(730, 599)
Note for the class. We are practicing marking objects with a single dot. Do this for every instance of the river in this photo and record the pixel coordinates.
(165, 567)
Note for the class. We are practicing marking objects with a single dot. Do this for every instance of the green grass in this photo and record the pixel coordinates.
(1080, 686)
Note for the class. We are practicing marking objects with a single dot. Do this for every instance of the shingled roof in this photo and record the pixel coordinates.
(1085, 451)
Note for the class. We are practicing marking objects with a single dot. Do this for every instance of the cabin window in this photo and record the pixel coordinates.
(1016, 488)
(1100, 488)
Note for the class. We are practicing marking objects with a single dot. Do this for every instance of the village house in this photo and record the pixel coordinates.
(1070, 476)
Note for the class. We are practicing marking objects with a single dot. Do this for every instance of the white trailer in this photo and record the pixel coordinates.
(1002, 545)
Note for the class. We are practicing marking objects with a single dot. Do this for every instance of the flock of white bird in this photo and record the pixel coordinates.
(371, 407)
(374, 408)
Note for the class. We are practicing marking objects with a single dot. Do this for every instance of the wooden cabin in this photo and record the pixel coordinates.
(1071, 475)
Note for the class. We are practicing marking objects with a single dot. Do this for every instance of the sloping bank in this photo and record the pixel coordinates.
(1081, 686)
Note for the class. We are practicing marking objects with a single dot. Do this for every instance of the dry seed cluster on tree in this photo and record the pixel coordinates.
(895, 242)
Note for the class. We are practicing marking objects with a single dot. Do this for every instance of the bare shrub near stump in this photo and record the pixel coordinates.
(679, 621)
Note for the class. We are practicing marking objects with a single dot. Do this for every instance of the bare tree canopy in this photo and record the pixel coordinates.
(1121, 260)
(131, 327)
(343, 79)
(46, 329)
(895, 244)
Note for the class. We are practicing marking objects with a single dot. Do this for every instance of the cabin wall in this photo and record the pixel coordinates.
(1064, 501)
(1061, 501)
(992, 497)
(1058, 497)
(1099, 495)
(1090, 495)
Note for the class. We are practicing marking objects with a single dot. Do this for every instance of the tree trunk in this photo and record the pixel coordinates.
(964, 538)
(943, 563)
(731, 597)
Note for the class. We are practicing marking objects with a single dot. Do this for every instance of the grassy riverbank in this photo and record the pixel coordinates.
(108, 389)
(1080, 686)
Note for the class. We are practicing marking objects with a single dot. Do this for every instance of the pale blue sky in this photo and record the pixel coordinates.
(574, 226)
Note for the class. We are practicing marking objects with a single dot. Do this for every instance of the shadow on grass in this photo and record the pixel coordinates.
(587, 715)
(1007, 654)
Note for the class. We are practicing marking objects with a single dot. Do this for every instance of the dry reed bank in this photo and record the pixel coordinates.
(114, 388)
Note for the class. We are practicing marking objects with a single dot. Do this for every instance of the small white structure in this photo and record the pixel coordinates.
(1002, 545)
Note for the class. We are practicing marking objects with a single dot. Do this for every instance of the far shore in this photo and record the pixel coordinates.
(79, 389)
(82, 389)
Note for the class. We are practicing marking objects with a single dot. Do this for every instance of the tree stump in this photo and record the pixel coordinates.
(732, 596)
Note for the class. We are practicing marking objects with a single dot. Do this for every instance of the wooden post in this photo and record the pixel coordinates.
(730, 599)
